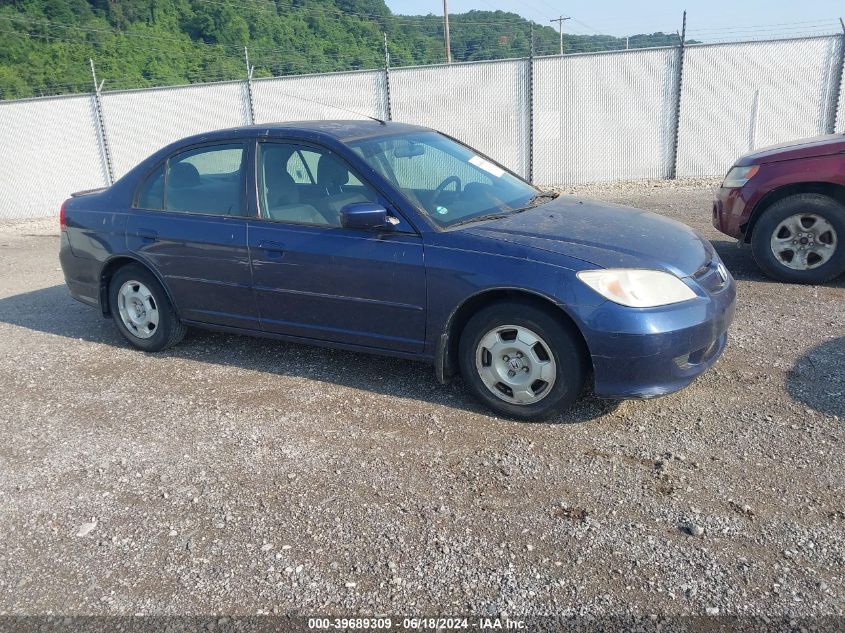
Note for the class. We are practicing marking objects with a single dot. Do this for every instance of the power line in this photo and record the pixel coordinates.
(186, 41)
(764, 26)
(216, 64)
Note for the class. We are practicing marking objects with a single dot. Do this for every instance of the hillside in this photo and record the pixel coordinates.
(45, 44)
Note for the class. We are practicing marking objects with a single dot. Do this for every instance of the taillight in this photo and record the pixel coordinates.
(62, 220)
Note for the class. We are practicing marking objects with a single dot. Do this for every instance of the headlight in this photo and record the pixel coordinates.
(738, 176)
(637, 288)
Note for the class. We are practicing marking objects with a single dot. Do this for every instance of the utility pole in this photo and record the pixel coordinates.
(446, 31)
(560, 22)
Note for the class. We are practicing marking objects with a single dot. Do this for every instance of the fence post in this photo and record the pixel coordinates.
(250, 107)
(102, 139)
(837, 86)
(388, 107)
(676, 115)
(530, 80)
(754, 121)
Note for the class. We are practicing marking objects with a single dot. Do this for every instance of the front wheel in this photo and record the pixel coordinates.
(142, 311)
(800, 239)
(521, 361)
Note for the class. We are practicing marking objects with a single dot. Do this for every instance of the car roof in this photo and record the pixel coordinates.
(341, 130)
(345, 130)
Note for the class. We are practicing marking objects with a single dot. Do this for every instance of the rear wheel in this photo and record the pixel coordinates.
(142, 311)
(521, 361)
(800, 239)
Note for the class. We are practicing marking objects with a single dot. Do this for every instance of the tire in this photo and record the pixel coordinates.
(142, 311)
(560, 360)
(815, 225)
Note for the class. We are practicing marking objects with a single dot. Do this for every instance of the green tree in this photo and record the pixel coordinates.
(45, 44)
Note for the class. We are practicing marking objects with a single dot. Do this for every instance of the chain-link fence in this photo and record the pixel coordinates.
(50, 147)
(738, 97)
(644, 113)
(331, 96)
(839, 126)
(484, 104)
(607, 116)
(138, 122)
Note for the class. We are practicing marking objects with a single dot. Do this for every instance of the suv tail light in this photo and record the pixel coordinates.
(62, 220)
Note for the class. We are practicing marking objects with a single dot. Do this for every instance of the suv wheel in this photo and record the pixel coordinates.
(142, 311)
(800, 239)
(521, 361)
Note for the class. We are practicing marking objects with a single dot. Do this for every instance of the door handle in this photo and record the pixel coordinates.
(269, 245)
(273, 249)
(147, 235)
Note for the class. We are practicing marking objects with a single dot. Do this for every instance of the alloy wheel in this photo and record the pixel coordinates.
(804, 241)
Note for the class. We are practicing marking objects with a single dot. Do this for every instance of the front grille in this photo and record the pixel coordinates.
(709, 277)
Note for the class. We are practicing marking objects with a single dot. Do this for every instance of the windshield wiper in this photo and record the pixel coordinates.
(537, 200)
(533, 202)
(480, 218)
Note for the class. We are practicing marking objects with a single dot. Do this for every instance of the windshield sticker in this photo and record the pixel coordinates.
(442, 210)
(487, 166)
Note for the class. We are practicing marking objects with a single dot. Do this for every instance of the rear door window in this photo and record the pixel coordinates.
(206, 180)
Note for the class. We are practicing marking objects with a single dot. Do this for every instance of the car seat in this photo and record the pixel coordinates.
(332, 174)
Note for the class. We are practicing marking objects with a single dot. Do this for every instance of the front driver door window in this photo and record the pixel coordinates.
(315, 279)
(302, 185)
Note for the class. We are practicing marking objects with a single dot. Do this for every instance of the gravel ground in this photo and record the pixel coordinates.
(245, 476)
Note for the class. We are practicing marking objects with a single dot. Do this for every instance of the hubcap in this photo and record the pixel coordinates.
(515, 364)
(804, 241)
(138, 309)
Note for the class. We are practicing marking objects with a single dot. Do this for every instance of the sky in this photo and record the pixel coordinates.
(727, 18)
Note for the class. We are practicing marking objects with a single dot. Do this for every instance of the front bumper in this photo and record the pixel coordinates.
(645, 353)
(731, 212)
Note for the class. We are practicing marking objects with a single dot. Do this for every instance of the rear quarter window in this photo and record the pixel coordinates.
(151, 192)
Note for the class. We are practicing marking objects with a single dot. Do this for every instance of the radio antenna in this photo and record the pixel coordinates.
(336, 107)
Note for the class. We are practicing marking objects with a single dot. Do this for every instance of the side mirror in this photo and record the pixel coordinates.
(363, 215)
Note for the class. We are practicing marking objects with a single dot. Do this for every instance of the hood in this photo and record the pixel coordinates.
(605, 235)
(801, 148)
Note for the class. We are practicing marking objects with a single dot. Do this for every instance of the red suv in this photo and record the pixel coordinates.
(788, 203)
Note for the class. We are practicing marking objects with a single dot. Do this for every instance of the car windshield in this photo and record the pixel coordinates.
(449, 181)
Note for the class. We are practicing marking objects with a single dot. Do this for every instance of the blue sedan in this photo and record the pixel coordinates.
(396, 239)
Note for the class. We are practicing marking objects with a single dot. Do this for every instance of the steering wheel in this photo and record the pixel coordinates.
(438, 191)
